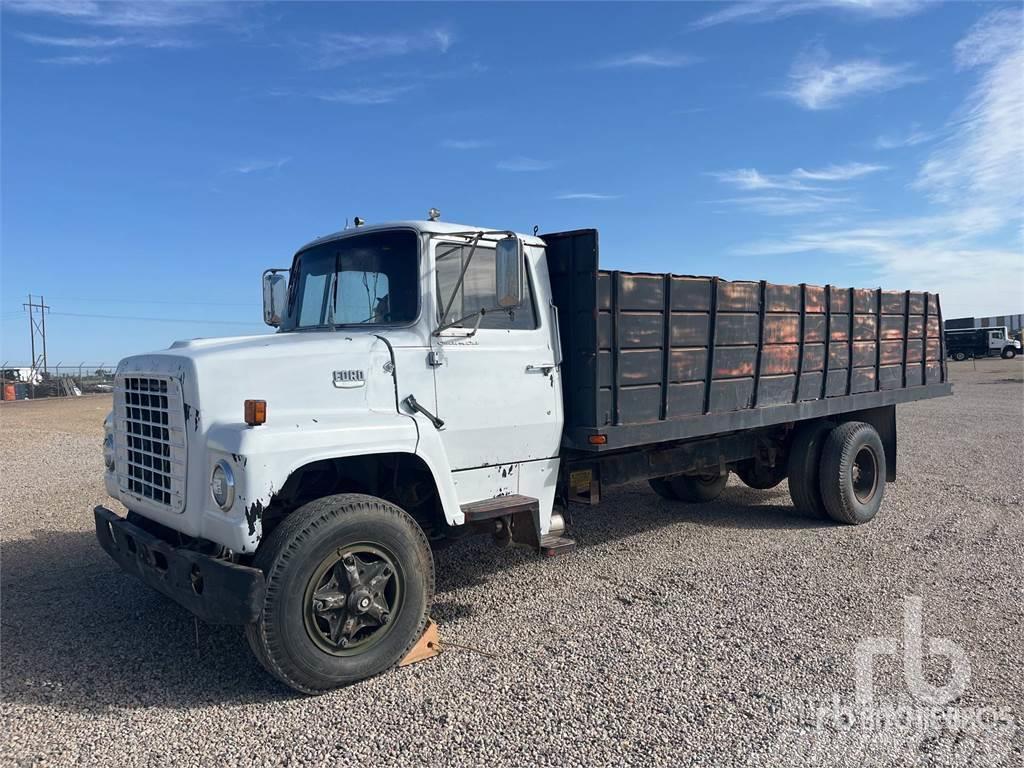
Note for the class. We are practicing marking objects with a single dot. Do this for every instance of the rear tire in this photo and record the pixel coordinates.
(803, 464)
(759, 476)
(350, 580)
(959, 356)
(852, 475)
(663, 487)
(698, 489)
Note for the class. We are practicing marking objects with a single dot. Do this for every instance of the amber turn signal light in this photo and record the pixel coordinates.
(597, 439)
(255, 412)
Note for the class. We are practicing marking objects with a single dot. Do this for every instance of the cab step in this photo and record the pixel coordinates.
(500, 506)
(552, 545)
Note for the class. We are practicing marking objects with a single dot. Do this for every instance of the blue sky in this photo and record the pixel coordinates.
(156, 157)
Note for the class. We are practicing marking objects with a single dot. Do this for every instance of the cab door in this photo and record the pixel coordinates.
(497, 388)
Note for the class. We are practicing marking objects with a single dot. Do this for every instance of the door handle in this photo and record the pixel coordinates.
(412, 405)
(544, 368)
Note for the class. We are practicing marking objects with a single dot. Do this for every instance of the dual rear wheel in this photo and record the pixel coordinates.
(835, 471)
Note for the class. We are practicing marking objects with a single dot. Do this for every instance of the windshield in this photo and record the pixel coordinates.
(366, 279)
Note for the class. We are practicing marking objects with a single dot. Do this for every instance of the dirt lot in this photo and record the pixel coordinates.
(715, 634)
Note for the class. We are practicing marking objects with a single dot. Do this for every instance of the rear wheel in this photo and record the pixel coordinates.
(959, 356)
(804, 460)
(852, 474)
(698, 489)
(350, 579)
(758, 475)
(663, 487)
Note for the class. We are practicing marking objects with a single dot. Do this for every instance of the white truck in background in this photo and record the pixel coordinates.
(429, 380)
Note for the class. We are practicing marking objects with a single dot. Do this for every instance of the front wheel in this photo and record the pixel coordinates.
(350, 580)
(1009, 353)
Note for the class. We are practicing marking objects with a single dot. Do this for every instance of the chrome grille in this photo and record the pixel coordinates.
(149, 435)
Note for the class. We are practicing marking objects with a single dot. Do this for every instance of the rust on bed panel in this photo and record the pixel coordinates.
(891, 352)
(734, 362)
(782, 298)
(689, 329)
(736, 328)
(814, 357)
(781, 329)
(814, 300)
(864, 354)
(691, 294)
(894, 303)
(737, 296)
(865, 327)
(814, 328)
(780, 358)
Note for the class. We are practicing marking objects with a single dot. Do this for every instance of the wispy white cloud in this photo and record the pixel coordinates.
(983, 158)
(752, 180)
(258, 166)
(773, 10)
(800, 191)
(363, 96)
(971, 247)
(786, 205)
(152, 14)
(586, 196)
(911, 138)
(815, 83)
(335, 49)
(92, 41)
(466, 144)
(843, 172)
(83, 59)
(648, 60)
(523, 165)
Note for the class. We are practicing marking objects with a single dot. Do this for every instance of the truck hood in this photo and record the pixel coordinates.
(302, 376)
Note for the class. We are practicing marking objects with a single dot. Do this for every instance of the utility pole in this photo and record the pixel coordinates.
(37, 326)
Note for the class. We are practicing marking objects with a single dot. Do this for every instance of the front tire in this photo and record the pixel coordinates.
(852, 473)
(1009, 353)
(350, 580)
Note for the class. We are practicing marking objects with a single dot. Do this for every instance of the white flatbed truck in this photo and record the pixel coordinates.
(429, 380)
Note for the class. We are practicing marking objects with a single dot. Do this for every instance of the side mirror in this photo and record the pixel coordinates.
(275, 296)
(508, 269)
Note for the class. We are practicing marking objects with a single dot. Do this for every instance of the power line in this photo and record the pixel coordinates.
(157, 319)
(214, 303)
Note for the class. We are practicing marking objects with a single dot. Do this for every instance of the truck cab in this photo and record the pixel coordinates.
(988, 341)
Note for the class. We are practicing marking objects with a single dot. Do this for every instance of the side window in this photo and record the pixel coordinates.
(478, 290)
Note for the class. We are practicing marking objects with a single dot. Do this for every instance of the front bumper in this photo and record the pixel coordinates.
(217, 591)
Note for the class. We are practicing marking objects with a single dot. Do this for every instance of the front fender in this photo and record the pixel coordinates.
(264, 457)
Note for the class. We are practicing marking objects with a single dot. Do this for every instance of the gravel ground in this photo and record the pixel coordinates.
(675, 634)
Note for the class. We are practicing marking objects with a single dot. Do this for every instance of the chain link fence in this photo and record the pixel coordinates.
(23, 381)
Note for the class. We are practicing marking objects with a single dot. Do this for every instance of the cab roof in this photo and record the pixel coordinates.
(420, 226)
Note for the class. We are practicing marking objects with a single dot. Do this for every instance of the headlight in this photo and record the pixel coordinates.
(108, 452)
(222, 485)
